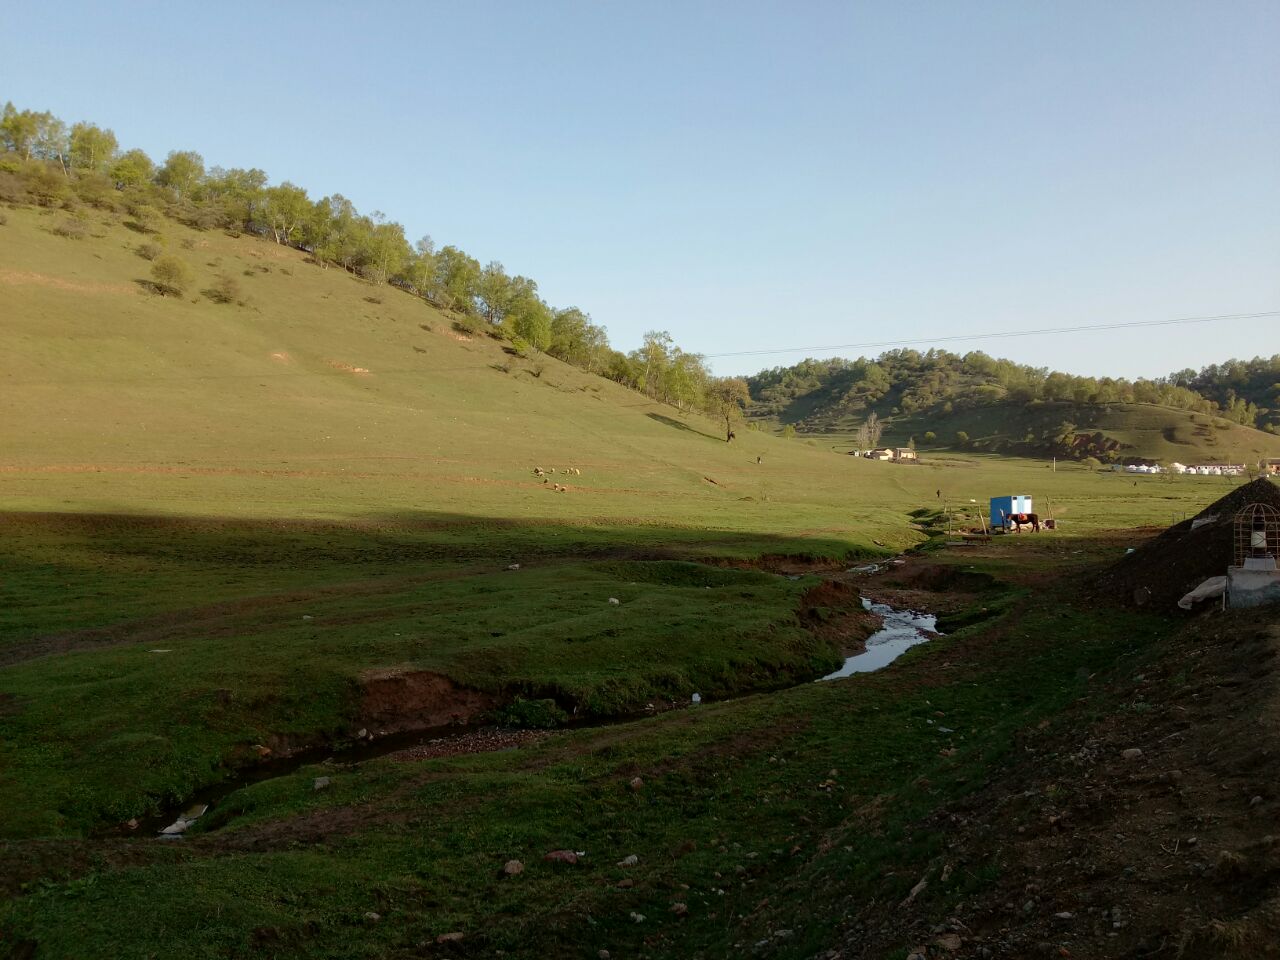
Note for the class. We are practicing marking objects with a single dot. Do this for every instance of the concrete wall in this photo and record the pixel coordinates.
(1252, 588)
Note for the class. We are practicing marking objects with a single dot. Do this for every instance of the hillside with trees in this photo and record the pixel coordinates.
(974, 401)
(1244, 388)
(82, 169)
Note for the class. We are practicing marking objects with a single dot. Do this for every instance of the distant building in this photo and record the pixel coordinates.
(904, 453)
(881, 453)
(1217, 469)
(1270, 466)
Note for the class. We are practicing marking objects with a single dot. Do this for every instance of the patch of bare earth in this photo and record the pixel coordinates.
(402, 698)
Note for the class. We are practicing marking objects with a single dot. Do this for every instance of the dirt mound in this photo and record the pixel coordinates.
(405, 699)
(1161, 571)
(834, 612)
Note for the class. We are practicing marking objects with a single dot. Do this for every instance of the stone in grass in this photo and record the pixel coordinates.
(452, 937)
(319, 783)
(680, 909)
(629, 861)
(561, 856)
(636, 783)
(1133, 753)
(513, 868)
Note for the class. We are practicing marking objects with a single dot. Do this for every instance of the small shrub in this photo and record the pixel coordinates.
(148, 251)
(372, 299)
(171, 275)
(472, 326)
(71, 228)
(4, 218)
(12, 189)
(226, 289)
(427, 327)
(930, 436)
(188, 243)
(249, 273)
(789, 431)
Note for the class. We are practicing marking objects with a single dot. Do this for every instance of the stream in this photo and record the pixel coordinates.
(901, 630)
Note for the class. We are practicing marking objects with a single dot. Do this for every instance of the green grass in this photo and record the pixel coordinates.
(103, 735)
(725, 786)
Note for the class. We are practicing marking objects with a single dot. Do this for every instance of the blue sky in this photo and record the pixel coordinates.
(750, 175)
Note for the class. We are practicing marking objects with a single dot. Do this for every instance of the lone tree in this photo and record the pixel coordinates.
(869, 432)
(727, 397)
(171, 276)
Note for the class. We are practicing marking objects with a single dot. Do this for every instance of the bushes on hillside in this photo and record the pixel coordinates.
(71, 229)
(170, 276)
(225, 289)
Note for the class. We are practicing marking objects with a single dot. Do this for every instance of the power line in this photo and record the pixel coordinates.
(1003, 334)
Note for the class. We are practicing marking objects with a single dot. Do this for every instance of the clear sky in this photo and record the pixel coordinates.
(749, 175)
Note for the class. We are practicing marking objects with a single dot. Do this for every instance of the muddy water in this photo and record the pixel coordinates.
(901, 630)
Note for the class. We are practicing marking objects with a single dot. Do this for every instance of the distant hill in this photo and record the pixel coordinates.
(976, 402)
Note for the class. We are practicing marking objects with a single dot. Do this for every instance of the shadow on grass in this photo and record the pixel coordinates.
(679, 425)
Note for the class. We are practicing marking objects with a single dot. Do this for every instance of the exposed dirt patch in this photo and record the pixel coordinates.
(346, 367)
(480, 741)
(833, 611)
(402, 698)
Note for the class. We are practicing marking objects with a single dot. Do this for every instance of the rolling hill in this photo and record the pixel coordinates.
(944, 401)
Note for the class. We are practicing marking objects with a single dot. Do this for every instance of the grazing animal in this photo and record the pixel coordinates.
(1016, 521)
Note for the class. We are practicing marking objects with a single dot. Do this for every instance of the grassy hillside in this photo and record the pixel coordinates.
(324, 395)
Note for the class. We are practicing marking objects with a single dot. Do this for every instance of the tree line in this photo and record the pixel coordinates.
(911, 382)
(46, 162)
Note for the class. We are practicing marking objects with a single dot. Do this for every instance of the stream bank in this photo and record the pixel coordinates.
(900, 630)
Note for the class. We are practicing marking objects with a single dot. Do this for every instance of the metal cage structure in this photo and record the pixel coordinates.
(1257, 537)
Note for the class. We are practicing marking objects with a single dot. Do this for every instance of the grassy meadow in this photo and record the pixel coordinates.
(219, 519)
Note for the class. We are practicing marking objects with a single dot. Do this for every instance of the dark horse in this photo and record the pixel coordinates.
(1016, 521)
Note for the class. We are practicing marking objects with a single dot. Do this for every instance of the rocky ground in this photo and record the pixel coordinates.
(1148, 830)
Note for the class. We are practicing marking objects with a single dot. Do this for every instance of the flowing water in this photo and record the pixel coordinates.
(902, 630)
